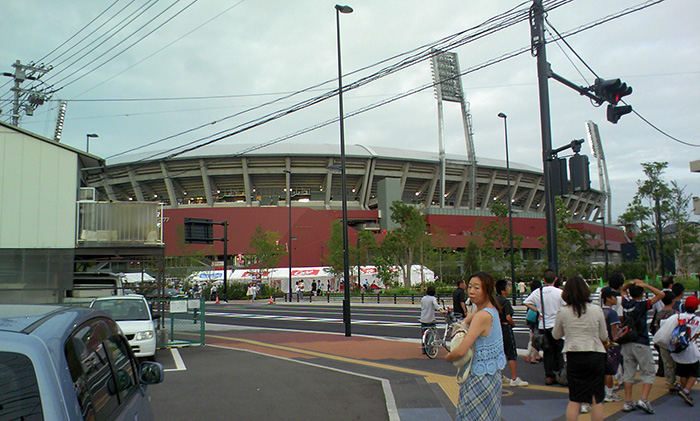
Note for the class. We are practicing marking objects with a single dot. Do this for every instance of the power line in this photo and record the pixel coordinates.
(161, 49)
(425, 52)
(81, 30)
(130, 46)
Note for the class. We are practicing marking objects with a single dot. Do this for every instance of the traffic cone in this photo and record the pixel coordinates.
(271, 300)
(217, 299)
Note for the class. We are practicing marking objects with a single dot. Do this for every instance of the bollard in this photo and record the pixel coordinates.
(362, 297)
(394, 298)
(377, 298)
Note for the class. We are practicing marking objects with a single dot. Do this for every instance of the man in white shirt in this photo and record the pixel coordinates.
(553, 357)
(428, 306)
(688, 360)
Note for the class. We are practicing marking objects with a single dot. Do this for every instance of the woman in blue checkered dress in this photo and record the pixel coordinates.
(480, 394)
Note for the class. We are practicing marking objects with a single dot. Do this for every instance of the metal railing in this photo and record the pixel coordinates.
(102, 224)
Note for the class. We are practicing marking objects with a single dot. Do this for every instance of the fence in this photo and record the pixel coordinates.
(181, 322)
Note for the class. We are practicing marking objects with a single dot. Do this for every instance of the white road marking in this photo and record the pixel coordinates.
(179, 363)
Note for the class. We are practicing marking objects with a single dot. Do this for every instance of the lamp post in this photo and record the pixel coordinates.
(289, 205)
(87, 141)
(510, 207)
(344, 194)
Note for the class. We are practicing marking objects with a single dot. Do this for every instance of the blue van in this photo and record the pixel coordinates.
(70, 363)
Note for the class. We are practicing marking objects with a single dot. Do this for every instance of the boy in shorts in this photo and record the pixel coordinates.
(638, 352)
(505, 313)
(688, 360)
(608, 298)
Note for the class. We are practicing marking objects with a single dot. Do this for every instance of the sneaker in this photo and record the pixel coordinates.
(686, 397)
(645, 406)
(518, 382)
(612, 397)
(585, 408)
(550, 381)
(629, 407)
(505, 380)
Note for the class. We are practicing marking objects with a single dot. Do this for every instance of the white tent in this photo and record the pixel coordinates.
(279, 277)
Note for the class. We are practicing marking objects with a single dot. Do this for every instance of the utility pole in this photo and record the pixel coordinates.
(543, 73)
(34, 97)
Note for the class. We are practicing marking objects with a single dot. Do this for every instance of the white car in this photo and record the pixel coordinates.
(134, 317)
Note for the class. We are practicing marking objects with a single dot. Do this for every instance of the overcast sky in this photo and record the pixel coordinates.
(254, 51)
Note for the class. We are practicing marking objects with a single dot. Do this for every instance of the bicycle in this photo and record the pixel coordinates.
(431, 341)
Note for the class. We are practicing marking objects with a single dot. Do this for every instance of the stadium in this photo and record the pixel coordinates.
(247, 186)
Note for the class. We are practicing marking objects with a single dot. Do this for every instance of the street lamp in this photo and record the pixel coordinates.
(344, 194)
(87, 141)
(289, 205)
(510, 208)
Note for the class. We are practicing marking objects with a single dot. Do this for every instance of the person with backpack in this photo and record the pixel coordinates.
(636, 350)
(687, 355)
(669, 366)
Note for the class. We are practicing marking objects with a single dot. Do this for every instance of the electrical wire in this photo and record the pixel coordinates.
(130, 46)
(79, 31)
(161, 49)
(420, 54)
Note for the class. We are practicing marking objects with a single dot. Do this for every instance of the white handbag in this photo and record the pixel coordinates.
(463, 364)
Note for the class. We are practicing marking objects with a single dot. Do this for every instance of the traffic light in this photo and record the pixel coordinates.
(611, 90)
(578, 169)
(615, 112)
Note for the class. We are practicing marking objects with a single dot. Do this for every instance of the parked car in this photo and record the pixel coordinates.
(70, 363)
(134, 318)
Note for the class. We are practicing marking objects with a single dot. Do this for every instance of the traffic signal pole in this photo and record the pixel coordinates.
(543, 73)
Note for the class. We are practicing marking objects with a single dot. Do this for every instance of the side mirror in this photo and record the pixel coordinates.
(151, 372)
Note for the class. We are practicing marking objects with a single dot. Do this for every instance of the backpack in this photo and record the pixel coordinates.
(680, 337)
(627, 332)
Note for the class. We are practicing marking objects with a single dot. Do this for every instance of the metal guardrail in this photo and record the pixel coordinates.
(182, 321)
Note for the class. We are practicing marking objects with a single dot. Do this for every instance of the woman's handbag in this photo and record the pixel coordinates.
(531, 316)
(463, 364)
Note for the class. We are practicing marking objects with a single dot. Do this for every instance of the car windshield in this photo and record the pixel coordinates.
(123, 309)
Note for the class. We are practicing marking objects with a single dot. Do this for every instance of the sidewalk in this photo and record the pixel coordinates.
(416, 388)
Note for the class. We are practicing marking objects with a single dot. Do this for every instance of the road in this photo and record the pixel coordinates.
(392, 321)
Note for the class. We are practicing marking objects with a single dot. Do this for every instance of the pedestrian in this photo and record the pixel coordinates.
(612, 323)
(583, 325)
(313, 287)
(480, 394)
(638, 352)
(252, 291)
(212, 295)
(533, 354)
(521, 288)
(428, 306)
(666, 284)
(546, 301)
(459, 300)
(666, 361)
(678, 289)
(688, 360)
(505, 314)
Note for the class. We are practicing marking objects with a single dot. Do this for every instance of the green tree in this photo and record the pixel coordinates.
(648, 212)
(334, 258)
(405, 240)
(497, 241)
(573, 246)
(684, 238)
(264, 250)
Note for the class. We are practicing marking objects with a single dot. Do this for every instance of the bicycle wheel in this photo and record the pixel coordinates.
(429, 343)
